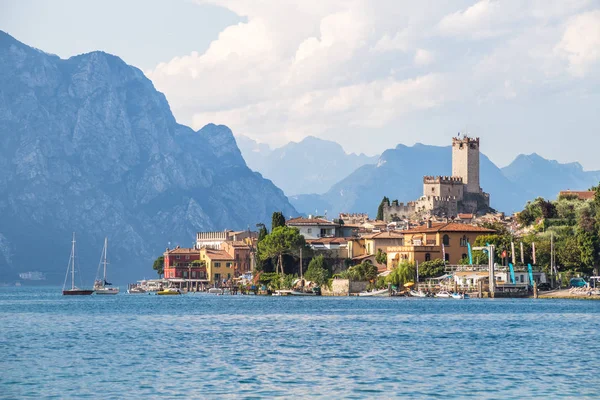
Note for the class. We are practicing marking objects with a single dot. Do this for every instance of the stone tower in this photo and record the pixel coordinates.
(465, 162)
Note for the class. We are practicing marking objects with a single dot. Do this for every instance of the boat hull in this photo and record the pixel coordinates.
(377, 293)
(168, 293)
(294, 293)
(107, 291)
(77, 292)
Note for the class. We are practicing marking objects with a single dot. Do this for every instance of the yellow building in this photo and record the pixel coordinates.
(436, 241)
(219, 265)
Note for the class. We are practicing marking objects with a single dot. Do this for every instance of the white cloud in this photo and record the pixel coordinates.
(342, 69)
(423, 57)
(580, 44)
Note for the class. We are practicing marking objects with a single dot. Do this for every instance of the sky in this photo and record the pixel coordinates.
(524, 76)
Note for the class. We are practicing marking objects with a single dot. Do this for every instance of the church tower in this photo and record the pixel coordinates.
(465, 162)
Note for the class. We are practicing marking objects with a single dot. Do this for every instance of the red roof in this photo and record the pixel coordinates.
(309, 221)
(448, 227)
(218, 254)
(385, 235)
(466, 216)
(327, 240)
(183, 250)
(581, 195)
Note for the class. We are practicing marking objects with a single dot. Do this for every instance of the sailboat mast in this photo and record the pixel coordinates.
(105, 251)
(73, 262)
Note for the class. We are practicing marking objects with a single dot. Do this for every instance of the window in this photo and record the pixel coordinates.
(446, 240)
(187, 257)
(228, 265)
(464, 256)
(217, 277)
(447, 257)
(177, 257)
(185, 274)
(427, 257)
(309, 230)
(217, 264)
(193, 274)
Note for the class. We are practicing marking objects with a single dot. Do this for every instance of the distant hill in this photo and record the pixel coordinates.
(310, 166)
(538, 176)
(88, 145)
(398, 174)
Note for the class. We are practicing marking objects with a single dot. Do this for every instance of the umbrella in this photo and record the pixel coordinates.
(409, 284)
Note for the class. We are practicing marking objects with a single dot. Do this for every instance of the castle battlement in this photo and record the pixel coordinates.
(465, 139)
(443, 179)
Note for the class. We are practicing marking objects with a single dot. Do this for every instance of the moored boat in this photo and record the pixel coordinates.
(460, 296)
(443, 294)
(136, 290)
(102, 286)
(215, 290)
(168, 292)
(74, 291)
(375, 293)
(414, 293)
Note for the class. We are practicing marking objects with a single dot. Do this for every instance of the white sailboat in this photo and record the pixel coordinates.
(102, 286)
(74, 291)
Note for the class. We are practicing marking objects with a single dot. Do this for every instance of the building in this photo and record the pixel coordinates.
(220, 265)
(447, 241)
(179, 266)
(381, 241)
(578, 194)
(448, 195)
(313, 228)
(213, 240)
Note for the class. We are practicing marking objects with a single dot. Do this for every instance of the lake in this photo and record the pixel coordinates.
(206, 346)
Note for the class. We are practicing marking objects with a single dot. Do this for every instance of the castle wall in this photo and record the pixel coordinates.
(443, 186)
(398, 210)
(465, 162)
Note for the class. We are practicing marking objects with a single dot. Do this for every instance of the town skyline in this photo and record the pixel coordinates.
(517, 75)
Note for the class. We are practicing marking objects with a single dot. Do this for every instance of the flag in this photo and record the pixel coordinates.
(503, 253)
(533, 252)
(522, 255)
(443, 253)
(512, 252)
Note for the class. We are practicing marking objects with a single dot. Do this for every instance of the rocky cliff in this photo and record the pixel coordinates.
(88, 145)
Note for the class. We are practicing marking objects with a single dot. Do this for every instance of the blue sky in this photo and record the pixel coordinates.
(522, 75)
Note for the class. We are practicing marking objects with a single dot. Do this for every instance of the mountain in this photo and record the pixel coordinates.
(399, 175)
(88, 145)
(309, 166)
(541, 177)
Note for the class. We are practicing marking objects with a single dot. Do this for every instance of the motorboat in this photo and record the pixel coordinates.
(136, 290)
(443, 294)
(414, 293)
(375, 293)
(460, 296)
(169, 292)
(215, 290)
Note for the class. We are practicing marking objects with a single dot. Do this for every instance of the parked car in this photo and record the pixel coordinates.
(577, 282)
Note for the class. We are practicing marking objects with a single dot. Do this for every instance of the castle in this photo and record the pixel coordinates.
(447, 196)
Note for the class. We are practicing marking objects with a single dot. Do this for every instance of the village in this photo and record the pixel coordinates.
(440, 244)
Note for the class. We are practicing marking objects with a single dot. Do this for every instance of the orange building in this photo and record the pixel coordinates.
(432, 241)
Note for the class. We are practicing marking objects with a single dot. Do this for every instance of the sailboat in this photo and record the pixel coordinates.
(74, 291)
(102, 286)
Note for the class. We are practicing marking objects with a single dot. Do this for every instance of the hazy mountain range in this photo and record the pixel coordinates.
(311, 166)
(87, 145)
(398, 173)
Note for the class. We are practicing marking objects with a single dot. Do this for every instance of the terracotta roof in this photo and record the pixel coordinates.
(363, 257)
(385, 235)
(581, 195)
(184, 250)
(466, 216)
(218, 255)
(309, 221)
(448, 227)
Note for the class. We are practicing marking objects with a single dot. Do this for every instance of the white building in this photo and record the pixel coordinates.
(313, 228)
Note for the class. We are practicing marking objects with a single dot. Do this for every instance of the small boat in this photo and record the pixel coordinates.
(74, 291)
(281, 293)
(136, 290)
(414, 293)
(375, 293)
(102, 286)
(460, 296)
(300, 293)
(443, 294)
(169, 292)
(215, 290)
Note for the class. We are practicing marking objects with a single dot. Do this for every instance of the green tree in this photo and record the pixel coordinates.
(318, 271)
(568, 253)
(277, 220)
(364, 271)
(282, 240)
(198, 263)
(431, 269)
(262, 232)
(381, 257)
(405, 272)
(384, 201)
(159, 266)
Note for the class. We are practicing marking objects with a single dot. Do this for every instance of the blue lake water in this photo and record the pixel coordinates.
(204, 346)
